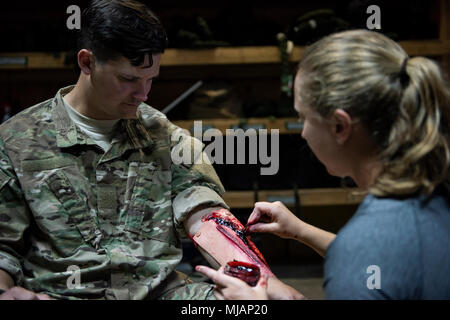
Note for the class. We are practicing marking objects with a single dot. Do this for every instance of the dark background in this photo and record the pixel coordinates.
(40, 26)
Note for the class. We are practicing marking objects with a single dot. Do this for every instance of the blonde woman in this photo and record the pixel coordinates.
(372, 113)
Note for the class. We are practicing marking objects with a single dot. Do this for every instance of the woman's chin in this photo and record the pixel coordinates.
(335, 173)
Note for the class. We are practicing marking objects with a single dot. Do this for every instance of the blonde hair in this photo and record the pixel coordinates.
(403, 102)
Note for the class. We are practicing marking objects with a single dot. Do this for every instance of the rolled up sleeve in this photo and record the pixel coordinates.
(194, 185)
(194, 197)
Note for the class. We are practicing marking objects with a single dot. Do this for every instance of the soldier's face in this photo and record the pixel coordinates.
(118, 87)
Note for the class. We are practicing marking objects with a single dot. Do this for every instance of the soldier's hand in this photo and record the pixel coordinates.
(19, 293)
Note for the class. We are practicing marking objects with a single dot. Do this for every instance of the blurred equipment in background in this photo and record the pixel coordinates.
(196, 33)
(5, 112)
(316, 24)
(215, 99)
(286, 102)
(183, 96)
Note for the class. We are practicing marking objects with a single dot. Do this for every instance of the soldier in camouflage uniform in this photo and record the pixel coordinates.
(113, 216)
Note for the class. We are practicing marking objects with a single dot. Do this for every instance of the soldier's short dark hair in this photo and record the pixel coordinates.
(128, 28)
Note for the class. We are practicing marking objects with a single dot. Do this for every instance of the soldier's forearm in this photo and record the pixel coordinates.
(194, 221)
(6, 281)
(221, 238)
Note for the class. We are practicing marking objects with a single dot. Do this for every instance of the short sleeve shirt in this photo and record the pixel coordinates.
(392, 249)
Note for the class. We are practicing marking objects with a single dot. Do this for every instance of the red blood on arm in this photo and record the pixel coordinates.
(223, 237)
(247, 272)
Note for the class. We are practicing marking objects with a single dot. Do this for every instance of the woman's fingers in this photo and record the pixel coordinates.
(210, 273)
(262, 210)
(218, 277)
(19, 293)
(227, 287)
(43, 297)
(254, 217)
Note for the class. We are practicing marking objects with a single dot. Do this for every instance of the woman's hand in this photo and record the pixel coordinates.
(277, 290)
(230, 288)
(275, 218)
(19, 293)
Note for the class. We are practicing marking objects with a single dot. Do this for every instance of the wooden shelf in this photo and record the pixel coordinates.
(217, 56)
(284, 125)
(259, 55)
(33, 60)
(426, 47)
(307, 197)
(226, 55)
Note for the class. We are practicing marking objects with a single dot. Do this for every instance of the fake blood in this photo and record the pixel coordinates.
(247, 272)
(225, 223)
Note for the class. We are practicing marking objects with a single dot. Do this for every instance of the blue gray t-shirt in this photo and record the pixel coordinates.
(392, 249)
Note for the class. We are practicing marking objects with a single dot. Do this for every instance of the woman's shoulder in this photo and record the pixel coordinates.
(377, 216)
(405, 211)
(391, 221)
(392, 236)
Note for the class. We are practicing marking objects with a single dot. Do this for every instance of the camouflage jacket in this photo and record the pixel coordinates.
(116, 217)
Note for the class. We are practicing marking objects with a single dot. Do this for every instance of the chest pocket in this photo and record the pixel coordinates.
(75, 204)
(58, 198)
(149, 212)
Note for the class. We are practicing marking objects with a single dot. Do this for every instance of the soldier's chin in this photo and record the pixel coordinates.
(130, 111)
(130, 116)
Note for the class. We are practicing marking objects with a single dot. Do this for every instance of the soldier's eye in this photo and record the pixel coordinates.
(127, 79)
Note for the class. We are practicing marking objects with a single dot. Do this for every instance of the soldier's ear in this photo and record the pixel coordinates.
(85, 61)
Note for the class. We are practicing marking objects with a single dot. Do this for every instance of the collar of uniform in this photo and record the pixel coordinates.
(138, 135)
(131, 135)
(67, 134)
(66, 130)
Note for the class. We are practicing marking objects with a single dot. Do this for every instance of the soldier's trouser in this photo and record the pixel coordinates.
(179, 286)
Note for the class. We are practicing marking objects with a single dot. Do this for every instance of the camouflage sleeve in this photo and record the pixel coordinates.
(194, 180)
(14, 219)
